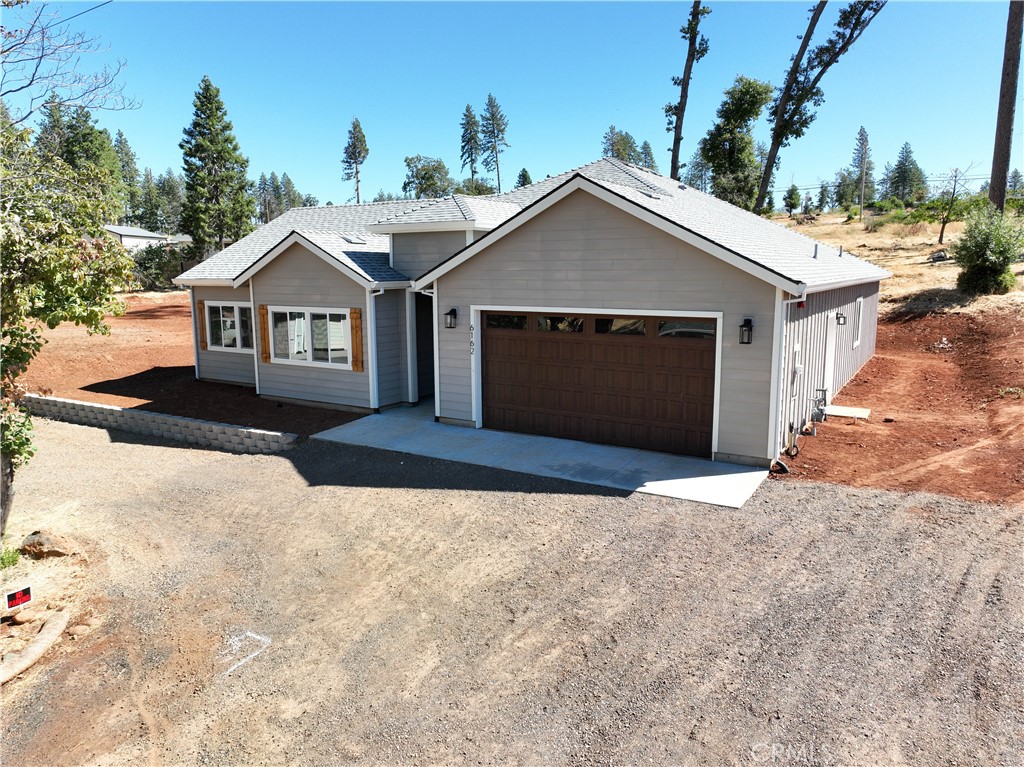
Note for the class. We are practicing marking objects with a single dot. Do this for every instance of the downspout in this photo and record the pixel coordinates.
(255, 337)
(195, 327)
(371, 342)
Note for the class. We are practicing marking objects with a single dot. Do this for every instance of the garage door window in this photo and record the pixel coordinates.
(621, 326)
(560, 324)
(506, 321)
(686, 328)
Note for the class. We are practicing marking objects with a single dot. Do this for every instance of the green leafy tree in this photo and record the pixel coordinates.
(523, 179)
(493, 127)
(356, 153)
(471, 144)
(129, 177)
(728, 148)
(844, 191)
(696, 48)
(474, 186)
(218, 204)
(793, 108)
(426, 177)
(58, 265)
(383, 196)
(824, 194)
(792, 199)
(988, 245)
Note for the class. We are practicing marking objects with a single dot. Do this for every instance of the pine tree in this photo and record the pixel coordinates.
(845, 188)
(276, 199)
(696, 48)
(792, 199)
(356, 153)
(129, 176)
(147, 215)
(1015, 184)
(697, 173)
(217, 203)
(863, 169)
(171, 186)
(289, 194)
(523, 179)
(52, 130)
(907, 182)
(263, 199)
(647, 157)
(823, 196)
(471, 146)
(792, 110)
(493, 128)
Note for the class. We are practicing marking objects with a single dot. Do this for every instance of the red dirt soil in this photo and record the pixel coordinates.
(938, 422)
(951, 432)
(147, 363)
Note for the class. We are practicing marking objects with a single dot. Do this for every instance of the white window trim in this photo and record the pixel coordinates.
(858, 330)
(347, 322)
(236, 305)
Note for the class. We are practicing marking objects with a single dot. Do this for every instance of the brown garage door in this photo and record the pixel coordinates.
(645, 382)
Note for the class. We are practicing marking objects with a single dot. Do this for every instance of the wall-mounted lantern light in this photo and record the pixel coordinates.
(747, 331)
(450, 317)
(840, 318)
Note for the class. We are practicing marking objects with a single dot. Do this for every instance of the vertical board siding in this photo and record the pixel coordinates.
(300, 279)
(584, 253)
(392, 363)
(808, 327)
(215, 364)
(418, 252)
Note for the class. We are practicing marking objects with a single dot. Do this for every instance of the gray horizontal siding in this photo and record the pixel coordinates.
(584, 253)
(418, 252)
(808, 326)
(300, 279)
(392, 362)
(217, 365)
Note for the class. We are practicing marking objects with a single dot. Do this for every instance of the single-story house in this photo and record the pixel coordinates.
(134, 238)
(608, 304)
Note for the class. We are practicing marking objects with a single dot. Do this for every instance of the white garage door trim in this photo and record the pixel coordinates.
(476, 361)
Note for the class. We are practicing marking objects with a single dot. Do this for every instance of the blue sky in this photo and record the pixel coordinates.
(293, 75)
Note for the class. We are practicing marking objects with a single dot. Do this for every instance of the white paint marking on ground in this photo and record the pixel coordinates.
(237, 643)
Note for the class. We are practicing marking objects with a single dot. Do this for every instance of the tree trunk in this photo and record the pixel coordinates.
(684, 88)
(863, 179)
(778, 122)
(1007, 105)
(357, 184)
(497, 168)
(6, 490)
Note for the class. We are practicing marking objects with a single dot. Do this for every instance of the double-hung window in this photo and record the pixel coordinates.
(310, 336)
(229, 327)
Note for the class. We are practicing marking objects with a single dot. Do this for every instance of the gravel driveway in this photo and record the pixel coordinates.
(339, 605)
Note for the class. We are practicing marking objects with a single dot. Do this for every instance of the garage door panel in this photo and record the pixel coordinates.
(571, 380)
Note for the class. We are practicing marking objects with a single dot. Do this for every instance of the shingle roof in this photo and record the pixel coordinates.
(236, 258)
(788, 253)
(365, 254)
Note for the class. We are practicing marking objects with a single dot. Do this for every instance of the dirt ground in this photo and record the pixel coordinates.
(147, 362)
(338, 605)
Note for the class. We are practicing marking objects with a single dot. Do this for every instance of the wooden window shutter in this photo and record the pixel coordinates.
(355, 320)
(264, 334)
(201, 321)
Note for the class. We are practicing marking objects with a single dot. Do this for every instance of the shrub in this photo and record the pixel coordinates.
(989, 244)
(157, 265)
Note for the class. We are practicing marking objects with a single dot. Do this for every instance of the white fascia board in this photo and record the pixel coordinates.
(822, 287)
(316, 250)
(200, 282)
(628, 206)
(390, 285)
(396, 227)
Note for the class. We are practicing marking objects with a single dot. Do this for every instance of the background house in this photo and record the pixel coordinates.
(133, 238)
(608, 304)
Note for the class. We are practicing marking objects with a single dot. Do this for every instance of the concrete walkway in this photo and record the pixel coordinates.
(413, 430)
